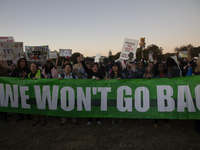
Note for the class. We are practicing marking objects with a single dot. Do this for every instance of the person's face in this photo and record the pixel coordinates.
(89, 66)
(115, 68)
(22, 63)
(161, 68)
(68, 69)
(140, 64)
(148, 69)
(150, 65)
(66, 62)
(95, 68)
(33, 68)
(134, 65)
(49, 64)
(79, 59)
(12, 67)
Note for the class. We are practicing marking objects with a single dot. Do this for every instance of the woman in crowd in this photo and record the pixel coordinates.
(160, 72)
(116, 73)
(22, 70)
(133, 73)
(49, 71)
(36, 74)
(148, 73)
(68, 74)
(78, 68)
(172, 67)
(92, 74)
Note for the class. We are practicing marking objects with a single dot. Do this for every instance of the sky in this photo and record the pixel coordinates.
(97, 26)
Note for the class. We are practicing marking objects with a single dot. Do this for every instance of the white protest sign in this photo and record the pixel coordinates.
(36, 53)
(98, 55)
(175, 58)
(7, 39)
(65, 52)
(129, 49)
(151, 55)
(53, 55)
(11, 50)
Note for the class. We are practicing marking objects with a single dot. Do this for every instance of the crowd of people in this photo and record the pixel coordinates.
(134, 69)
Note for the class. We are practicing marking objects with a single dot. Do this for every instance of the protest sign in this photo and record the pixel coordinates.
(7, 39)
(151, 55)
(129, 49)
(183, 54)
(160, 98)
(65, 52)
(36, 53)
(11, 50)
(98, 56)
(53, 55)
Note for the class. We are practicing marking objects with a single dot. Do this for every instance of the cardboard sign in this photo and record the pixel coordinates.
(36, 53)
(129, 49)
(11, 50)
(151, 55)
(183, 54)
(7, 39)
(98, 55)
(65, 52)
(53, 55)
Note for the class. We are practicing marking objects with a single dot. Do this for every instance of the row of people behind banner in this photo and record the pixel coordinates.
(91, 70)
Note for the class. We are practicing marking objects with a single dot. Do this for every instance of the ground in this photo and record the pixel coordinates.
(130, 134)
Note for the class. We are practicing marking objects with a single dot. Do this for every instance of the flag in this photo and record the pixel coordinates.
(189, 72)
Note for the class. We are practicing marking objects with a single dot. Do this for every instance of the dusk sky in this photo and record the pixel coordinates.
(97, 26)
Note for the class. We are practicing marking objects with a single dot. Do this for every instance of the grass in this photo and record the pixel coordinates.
(130, 134)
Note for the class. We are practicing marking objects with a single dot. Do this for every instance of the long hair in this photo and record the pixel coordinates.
(46, 66)
(147, 72)
(18, 63)
(156, 71)
(112, 74)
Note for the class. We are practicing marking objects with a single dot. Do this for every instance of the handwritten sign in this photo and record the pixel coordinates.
(36, 53)
(98, 55)
(129, 49)
(53, 55)
(7, 39)
(65, 52)
(11, 50)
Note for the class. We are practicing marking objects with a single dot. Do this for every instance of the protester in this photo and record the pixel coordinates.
(68, 74)
(133, 73)
(78, 68)
(49, 71)
(141, 68)
(3, 73)
(116, 73)
(160, 72)
(92, 74)
(22, 70)
(173, 70)
(148, 73)
(12, 68)
(36, 74)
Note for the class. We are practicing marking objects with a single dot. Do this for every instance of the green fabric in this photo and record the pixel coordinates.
(184, 108)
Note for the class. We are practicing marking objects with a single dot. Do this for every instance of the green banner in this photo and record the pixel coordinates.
(175, 98)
